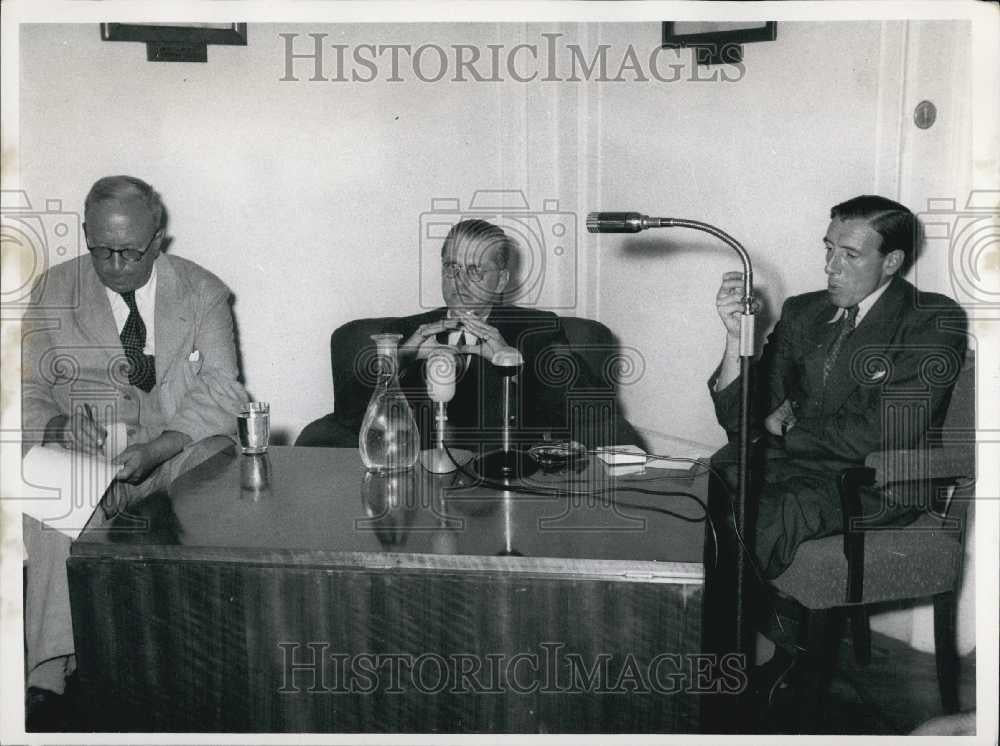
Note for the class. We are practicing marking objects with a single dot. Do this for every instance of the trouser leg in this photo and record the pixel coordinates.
(48, 625)
(790, 512)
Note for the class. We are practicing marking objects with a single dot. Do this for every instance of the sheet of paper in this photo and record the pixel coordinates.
(62, 488)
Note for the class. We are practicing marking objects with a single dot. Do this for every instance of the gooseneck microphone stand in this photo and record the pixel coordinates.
(633, 222)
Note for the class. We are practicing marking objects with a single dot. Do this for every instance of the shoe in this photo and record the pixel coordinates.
(44, 711)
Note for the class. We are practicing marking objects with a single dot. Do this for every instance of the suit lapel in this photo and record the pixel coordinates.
(874, 331)
(820, 333)
(173, 314)
(94, 315)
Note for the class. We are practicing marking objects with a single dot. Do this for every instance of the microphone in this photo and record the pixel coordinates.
(634, 222)
(623, 222)
(509, 360)
(440, 369)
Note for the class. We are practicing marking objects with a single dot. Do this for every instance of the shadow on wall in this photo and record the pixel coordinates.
(772, 298)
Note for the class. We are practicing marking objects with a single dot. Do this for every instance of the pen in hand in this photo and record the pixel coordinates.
(100, 432)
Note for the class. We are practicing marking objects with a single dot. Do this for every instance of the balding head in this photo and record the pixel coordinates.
(126, 189)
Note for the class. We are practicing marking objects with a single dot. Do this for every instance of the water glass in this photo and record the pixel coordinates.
(254, 427)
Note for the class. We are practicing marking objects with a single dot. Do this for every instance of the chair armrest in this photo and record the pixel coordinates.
(851, 482)
(950, 462)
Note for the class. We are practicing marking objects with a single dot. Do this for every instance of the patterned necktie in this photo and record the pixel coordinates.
(142, 368)
(846, 327)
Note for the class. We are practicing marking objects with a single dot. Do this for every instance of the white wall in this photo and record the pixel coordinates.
(808, 125)
(306, 197)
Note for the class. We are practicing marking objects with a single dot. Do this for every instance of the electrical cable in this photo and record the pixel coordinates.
(622, 484)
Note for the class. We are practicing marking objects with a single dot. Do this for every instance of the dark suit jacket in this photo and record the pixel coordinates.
(476, 410)
(890, 386)
(891, 382)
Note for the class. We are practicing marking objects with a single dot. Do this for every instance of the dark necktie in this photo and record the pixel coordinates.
(846, 327)
(463, 360)
(142, 368)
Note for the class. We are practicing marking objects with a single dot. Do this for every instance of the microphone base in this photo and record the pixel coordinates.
(512, 464)
(437, 461)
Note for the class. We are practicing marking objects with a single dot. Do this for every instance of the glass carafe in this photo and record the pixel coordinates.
(389, 439)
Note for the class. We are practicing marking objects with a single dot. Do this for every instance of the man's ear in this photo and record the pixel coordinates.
(502, 281)
(160, 239)
(892, 261)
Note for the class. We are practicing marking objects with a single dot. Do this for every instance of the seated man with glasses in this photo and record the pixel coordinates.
(475, 271)
(126, 335)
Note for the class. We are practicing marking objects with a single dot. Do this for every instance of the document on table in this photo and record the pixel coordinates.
(619, 458)
(62, 487)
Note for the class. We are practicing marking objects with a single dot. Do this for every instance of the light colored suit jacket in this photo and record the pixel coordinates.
(72, 355)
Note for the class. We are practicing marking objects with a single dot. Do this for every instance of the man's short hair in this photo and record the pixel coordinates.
(484, 233)
(898, 226)
(125, 189)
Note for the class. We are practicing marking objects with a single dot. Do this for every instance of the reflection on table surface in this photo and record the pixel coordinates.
(322, 500)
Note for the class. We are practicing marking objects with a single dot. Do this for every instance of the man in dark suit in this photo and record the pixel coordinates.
(867, 364)
(475, 260)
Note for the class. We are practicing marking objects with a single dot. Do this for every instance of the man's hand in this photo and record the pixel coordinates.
(424, 340)
(729, 303)
(781, 419)
(490, 339)
(139, 460)
(79, 432)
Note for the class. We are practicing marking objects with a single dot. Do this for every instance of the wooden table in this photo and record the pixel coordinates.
(296, 593)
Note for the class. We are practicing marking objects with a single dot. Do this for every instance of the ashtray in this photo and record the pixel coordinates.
(555, 455)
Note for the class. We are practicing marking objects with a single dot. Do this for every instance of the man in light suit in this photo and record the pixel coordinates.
(131, 335)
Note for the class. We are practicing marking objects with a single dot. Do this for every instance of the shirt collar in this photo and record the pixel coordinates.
(864, 305)
(149, 289)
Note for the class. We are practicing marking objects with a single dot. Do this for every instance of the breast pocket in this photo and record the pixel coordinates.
(177, 381)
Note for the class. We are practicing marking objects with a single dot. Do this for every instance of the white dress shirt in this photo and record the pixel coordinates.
(145, 301)
(455, 334)
(864, 306)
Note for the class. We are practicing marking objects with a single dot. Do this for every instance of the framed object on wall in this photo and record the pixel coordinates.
(714, 42)
(188, 43)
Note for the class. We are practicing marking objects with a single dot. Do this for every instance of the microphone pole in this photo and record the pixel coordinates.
(634, 222)
(509, 462)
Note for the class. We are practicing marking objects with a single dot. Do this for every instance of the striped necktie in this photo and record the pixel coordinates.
(142, 367)
(846, 327)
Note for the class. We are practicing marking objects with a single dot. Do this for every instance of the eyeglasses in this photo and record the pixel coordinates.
(473, 271)
(132, 255)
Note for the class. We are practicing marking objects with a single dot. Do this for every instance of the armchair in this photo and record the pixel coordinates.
(592, 404)
(881, 564)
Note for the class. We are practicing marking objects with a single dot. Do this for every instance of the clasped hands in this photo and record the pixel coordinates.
(424, 340)
(81, 432)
